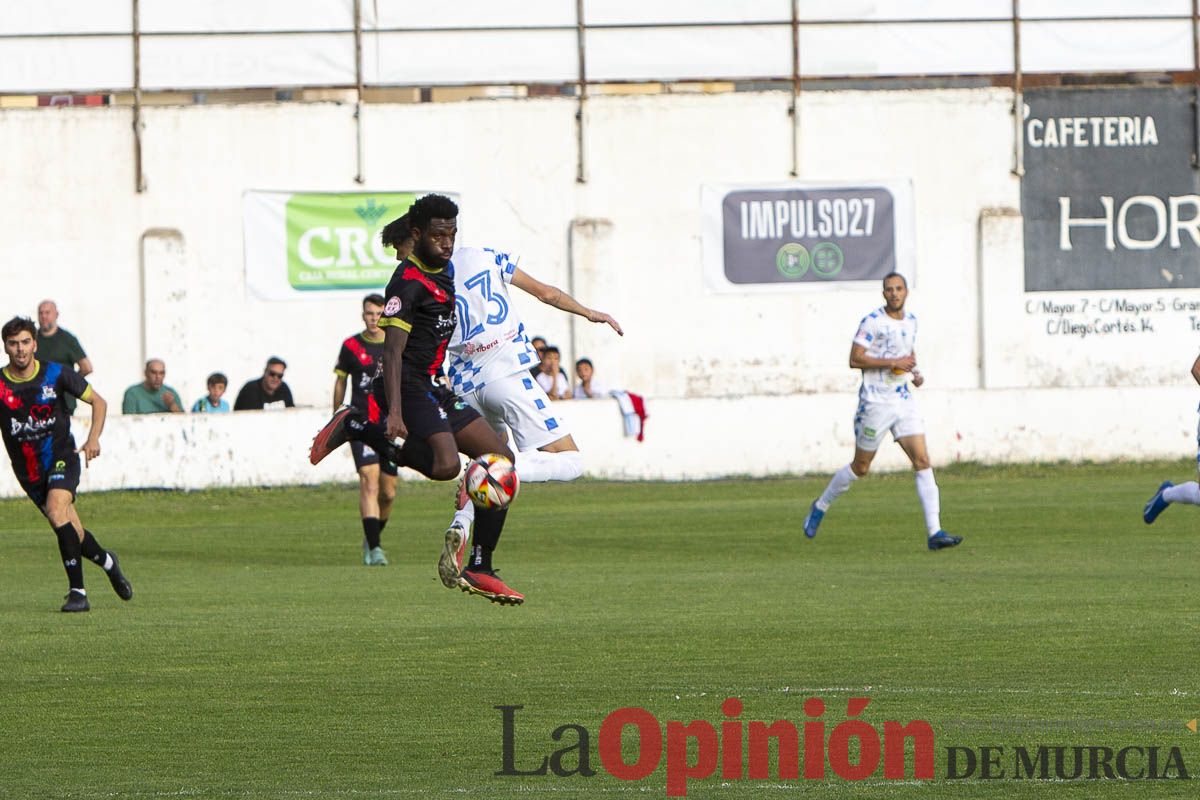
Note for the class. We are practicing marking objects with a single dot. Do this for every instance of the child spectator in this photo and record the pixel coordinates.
(212, 403)
(551, 377)
(587, 387)
(538, 344)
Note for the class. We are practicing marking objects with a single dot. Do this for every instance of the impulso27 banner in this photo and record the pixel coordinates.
(306, 244)
(770, 238)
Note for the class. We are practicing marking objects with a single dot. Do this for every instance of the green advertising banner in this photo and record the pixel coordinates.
(300, 243)
(333, 239)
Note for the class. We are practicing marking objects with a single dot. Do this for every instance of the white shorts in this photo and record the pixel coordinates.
(873, 420)
(518, 403)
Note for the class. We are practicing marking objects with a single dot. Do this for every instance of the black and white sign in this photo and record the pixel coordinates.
(1109, 195)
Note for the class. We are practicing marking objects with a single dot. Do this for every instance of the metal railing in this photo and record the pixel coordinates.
(593, 63)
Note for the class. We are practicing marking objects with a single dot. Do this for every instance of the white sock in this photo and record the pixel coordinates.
(464, 517)
(1183, 493)
(838, 485)
(931, 501)
(535, 466)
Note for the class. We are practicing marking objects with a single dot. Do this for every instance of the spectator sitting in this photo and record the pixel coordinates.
(59, 345)
(587, 387)
(212, 402)
(539, 346)
(268, 392)
(551, 377)
(152, 396)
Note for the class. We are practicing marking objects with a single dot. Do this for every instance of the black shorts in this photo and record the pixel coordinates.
(62, 474)
(364, 455)
(429, 409)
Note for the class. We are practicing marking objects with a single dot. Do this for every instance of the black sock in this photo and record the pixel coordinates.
(382, 525)
(416, 454)
(374, 435)
(488, 525)
(68, 545)
(371, 528)
(479, 559)
(92, 550)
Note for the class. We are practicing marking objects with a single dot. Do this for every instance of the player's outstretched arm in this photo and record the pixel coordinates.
(91, 447)
(395, 339)
(553, 296)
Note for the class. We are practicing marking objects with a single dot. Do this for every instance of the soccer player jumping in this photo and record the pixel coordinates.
(883, 350)
(490, 357)
(37, 434)
(418, 320)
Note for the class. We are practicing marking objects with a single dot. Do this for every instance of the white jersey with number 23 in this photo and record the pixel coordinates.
(489, 342)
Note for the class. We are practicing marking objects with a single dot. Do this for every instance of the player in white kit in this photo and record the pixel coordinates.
(883, 350)
(489, 361)
(1187, 493)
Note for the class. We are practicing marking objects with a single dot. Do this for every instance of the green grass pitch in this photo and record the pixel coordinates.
(260, 659)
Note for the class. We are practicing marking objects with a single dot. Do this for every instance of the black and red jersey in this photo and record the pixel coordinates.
(359, 361)
(36, 422)
(420, 301)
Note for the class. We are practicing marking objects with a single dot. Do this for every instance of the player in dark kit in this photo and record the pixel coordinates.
(418, 320)
(357, 365)
(37, 434)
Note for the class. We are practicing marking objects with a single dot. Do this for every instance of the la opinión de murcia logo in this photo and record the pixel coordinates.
(734, 749)
(852, 750)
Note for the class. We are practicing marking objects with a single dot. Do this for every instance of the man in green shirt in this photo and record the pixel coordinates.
(59, 344)
(152, 396)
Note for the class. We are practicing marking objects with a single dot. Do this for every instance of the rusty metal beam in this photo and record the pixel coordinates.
(359, 176)
(1195, 84)
(794, 110)
(1018, 95)
(138, 125)
(582, 93)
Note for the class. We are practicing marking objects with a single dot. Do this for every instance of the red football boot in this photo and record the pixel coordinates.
(332, 436)
(486, 583)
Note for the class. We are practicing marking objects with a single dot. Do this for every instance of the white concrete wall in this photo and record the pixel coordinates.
(685, 439)
(1120, 338)
(72, 228)
(72, 225)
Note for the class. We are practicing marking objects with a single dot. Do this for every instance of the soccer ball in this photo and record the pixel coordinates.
(492, 482)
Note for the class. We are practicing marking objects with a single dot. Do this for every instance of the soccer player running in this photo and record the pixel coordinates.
(357, 365)
(418, 320)
(37, 434)
(490, 357)
(1187, 493)
(883, 350)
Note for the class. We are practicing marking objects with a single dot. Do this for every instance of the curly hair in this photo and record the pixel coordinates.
(431, 206)
(396, 232)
